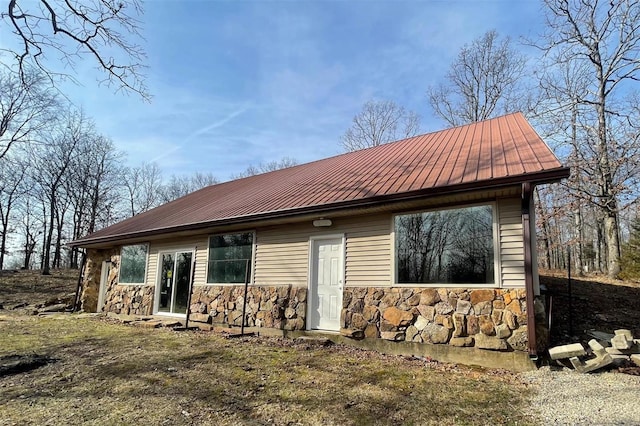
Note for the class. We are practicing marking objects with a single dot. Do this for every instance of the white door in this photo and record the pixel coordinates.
(104, 276)
(327, 278)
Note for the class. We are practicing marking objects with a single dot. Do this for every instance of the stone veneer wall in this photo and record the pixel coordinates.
(492, 319)
(282, 307)
(485, 318)
(129, 299)
(92, 274)
(120, 299)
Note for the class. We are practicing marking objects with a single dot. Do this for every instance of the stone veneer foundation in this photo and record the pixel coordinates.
(493, 319)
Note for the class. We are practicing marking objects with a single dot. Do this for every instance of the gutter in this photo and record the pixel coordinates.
(527, 201)
(532, 178)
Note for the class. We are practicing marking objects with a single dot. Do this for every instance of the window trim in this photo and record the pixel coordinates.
(496, 248)
(146, 264)
(253, 257)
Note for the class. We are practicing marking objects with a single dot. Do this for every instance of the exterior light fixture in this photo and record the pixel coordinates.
(321, 223)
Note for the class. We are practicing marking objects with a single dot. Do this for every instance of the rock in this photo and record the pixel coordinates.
(395, 336)
(503, 331)
(389, 299)
(148, 324)
(371, 331)
(463, 307)
(397, 317)
(414, 300)
(60, 307)
(459, 325)
(483, 341)
(483, 308)
(510, 319)
(443, 308)
(371, 313)
(461, 341)
(313, 341)
(387, 326)
(411, 333)
(478, 296)
(358, 322)
(289, 313)
(302, 294)
(567, 351)
(421, 323)
(635, 358)
(624, 332)
(496, 316)
(486, 325)
(406, 293)
(428, 312)
(515, 307)
(519, 339)
(352, 333)
(498, 304)
(429, 297)
(622, 340)
(473, 325)
(197, 317)
(435, 333)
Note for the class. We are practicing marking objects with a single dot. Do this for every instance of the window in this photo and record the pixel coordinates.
(133, 264)
(228, 257)
(454, 246)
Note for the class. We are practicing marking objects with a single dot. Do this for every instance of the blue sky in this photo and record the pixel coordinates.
(242, 82)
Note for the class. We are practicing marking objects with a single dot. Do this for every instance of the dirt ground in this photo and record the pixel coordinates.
(68, 369)
(596, 303)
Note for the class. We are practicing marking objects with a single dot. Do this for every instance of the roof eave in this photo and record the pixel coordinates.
(547, 176)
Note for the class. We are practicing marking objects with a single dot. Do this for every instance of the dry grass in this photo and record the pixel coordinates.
(107, 373)
(103, 373)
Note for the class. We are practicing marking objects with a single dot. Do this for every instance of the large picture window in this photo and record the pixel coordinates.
(133, 264)
(228, 257)
(453, 246)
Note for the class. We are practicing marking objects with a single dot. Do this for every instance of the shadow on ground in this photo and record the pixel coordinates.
(594, 305)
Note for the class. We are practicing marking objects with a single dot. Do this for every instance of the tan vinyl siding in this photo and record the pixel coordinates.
(190, 243)
(368, 252)
(282, 252)
(511, 245)
(281, 256)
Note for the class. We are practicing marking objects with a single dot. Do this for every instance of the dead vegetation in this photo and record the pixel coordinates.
(77, 369)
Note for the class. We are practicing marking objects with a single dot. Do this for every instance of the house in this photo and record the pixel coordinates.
(429, 240)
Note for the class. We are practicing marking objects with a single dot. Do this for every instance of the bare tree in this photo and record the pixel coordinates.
(12, 188)
(52, 162)
(179, 186)
(106, 31)
(603, 39)
(378, 123)
(483, 81)
(270, 166)
(26, 107)
(143, 187)
(94, 186)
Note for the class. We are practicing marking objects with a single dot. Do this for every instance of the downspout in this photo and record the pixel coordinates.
(76, 299)
(527, 201)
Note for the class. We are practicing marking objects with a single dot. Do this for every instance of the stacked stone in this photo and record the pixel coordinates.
(130, 300)
(282, 307)
(92, 275)
(485, 318)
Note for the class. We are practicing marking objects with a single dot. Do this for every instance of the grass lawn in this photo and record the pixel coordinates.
(106, 373)
(80, 370)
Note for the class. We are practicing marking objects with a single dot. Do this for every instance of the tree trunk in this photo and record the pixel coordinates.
(613, 245)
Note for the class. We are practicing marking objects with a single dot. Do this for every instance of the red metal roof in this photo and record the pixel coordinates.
(497, 151)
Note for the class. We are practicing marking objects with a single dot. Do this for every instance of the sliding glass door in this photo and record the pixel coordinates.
(175, 276)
